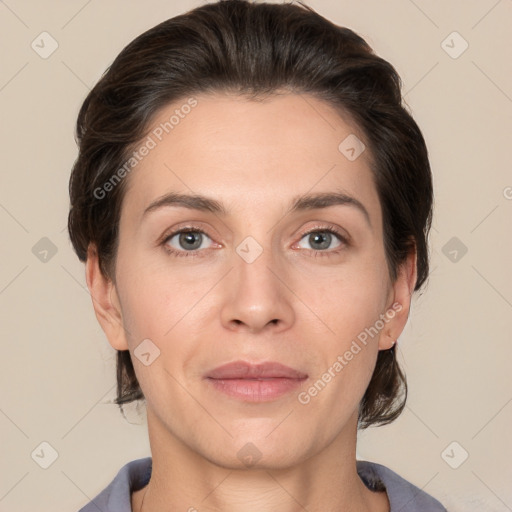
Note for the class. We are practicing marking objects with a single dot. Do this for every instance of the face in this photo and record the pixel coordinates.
(281, 261)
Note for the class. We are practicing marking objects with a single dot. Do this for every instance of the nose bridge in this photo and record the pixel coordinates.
(253, 262)
(256, 297)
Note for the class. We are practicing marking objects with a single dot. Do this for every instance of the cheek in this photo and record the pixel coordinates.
(350, 306)
(156, 295)
(354, 300)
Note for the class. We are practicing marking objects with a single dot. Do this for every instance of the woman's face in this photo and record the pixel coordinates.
(248, 283)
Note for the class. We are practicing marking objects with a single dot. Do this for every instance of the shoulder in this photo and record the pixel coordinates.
(116, 497)
(402, 494)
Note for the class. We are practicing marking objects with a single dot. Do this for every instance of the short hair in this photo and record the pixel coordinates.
(255, 50)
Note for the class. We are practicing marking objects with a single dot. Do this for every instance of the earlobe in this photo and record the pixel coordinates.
(386, 341)
(105, 302)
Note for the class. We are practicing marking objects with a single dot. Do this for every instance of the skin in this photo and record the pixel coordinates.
(291, 305)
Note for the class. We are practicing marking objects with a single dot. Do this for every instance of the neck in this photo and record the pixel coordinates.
(184, 479)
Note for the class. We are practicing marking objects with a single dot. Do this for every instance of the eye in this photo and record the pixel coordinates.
(322, 239)
(186, 242)
(191, 241)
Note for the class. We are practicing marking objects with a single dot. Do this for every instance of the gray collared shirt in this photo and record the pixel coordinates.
(403, 496)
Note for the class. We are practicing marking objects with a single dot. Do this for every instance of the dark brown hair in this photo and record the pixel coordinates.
(255, 50)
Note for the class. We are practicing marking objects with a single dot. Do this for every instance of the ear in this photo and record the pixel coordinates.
(399, 301)
(105, 301)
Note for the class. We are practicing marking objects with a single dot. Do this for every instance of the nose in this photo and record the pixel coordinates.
(256, 296)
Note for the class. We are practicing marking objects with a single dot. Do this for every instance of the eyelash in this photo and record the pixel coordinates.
(197, 253)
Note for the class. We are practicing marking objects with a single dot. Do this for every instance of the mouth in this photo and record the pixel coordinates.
(255, 382)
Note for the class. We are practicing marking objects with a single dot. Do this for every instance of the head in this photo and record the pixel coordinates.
(253, 106)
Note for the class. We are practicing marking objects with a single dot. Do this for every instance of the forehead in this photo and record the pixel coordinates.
(248, 152)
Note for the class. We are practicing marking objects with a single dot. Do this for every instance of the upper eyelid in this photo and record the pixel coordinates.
(176, 231)
(331, 229)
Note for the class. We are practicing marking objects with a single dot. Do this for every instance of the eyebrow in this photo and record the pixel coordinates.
(298, 203)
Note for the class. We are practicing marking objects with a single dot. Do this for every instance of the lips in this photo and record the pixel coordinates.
(249, 371)
(255, 383)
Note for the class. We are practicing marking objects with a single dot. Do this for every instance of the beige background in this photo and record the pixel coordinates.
(57, 375)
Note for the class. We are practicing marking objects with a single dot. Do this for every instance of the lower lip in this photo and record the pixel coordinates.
(252, 390)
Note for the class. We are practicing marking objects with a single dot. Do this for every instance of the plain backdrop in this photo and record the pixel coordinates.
(57, 369)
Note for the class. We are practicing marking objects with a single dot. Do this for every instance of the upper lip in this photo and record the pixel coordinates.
(246, 370)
